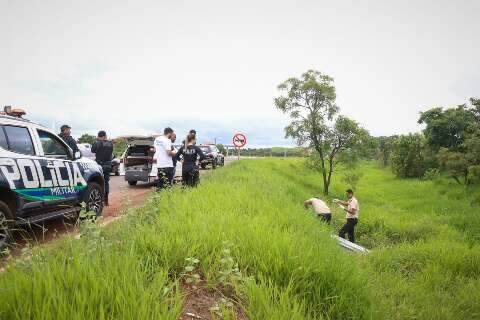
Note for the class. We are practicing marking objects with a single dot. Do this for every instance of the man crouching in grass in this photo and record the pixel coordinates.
(320, 208)
(352, 209)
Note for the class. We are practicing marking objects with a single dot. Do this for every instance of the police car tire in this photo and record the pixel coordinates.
(132, 183)
(6, 234)
(94, 187)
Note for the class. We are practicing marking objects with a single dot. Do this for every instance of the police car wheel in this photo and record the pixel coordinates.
(5, 216)
(94, 198)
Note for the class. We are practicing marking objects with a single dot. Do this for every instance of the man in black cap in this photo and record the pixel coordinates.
(65, 132)
(103, 150)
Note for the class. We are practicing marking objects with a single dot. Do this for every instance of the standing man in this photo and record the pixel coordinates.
(320, 208)
(65, 134)
(103, 150)
(173, 138)
(352, 208)
(163, 155)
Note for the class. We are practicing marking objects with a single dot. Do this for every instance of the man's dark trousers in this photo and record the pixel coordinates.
(165, 178)
(107, 169)
(349, 228)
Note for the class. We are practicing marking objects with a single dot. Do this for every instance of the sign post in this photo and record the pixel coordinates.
(239, 141)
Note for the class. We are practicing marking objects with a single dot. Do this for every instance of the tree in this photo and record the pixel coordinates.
(222, 149)
(447, 128)
(407, 157)
(385, 146)
(119, 146)
(454, 136)
(310, 103)
(464, 166)
(87, 138)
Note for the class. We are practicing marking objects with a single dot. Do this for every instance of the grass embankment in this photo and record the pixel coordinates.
(425, 263)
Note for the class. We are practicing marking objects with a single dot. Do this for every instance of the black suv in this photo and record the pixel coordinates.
(213, 156)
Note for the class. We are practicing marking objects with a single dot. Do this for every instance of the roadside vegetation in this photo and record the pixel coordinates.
(243, 233)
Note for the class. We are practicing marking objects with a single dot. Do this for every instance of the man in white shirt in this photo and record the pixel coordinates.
(163, 155)
(320, 208)
(352, 209)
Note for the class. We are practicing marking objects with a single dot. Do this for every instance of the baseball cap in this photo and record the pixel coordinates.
(65, 126)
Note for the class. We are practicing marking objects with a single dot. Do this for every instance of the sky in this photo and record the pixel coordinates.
(134, 67)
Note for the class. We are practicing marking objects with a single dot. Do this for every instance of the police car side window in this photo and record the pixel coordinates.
(19, 140)
(51, 145)
(3, 139)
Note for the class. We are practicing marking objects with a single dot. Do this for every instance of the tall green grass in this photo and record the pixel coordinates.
(425, 262)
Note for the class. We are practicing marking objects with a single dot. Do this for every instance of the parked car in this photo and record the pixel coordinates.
(41, 178)
(138, 161)
(213, 156)
(86, 150)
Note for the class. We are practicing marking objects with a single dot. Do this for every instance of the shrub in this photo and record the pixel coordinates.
(431, 174)
(408, 158)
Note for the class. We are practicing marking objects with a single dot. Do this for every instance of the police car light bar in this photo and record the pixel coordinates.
(18, 113)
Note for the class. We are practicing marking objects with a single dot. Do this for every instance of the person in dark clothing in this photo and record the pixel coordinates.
(65, 134)
(103, 150)
(173, 138)
(191, 154)
(192, 131)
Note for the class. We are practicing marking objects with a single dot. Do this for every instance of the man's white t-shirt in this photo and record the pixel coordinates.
(163, 144)
(353, 204)
(319, 206)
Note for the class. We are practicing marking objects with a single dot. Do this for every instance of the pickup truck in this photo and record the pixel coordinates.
(41, 178)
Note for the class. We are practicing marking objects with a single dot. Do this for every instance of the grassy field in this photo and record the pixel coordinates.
(244, 233)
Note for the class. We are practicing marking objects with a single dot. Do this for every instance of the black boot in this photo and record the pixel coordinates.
(106, 199)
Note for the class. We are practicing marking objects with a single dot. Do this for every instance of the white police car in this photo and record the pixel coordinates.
(40, 177)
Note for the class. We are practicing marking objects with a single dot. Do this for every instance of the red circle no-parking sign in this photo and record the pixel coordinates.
(239, 140)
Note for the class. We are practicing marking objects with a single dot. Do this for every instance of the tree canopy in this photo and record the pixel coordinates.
(87, 138)
(310, 103)
(454, 135)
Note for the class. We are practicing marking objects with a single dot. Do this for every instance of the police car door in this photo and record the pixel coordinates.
(55, 171)
(17, 163)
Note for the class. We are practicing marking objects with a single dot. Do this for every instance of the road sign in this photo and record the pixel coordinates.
(239, 140)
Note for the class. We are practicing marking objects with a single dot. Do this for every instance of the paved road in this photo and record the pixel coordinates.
(120, 195)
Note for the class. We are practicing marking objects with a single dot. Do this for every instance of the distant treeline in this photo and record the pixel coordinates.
(271, 152)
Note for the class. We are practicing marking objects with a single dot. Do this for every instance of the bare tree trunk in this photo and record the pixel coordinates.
(324, 171)
(330, 171)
